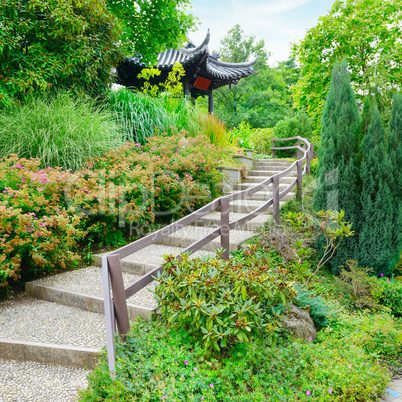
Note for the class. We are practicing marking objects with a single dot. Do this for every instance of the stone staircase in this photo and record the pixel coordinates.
(61, 322)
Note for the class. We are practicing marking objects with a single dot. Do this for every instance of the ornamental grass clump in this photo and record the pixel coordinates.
(60, 131)
(221, 302)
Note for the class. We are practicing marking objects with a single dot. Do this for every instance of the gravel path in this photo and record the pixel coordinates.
(37, 382)
(31, 320)
(154, 253)
(89, 281)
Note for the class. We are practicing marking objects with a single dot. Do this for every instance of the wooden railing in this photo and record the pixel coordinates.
(116, 306)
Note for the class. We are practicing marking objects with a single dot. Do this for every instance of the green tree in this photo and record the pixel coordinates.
(261, 99)
(395, 153)
(152, 26)
(366, 33)
(380, 217)
(51, 44)
(338, 183)
(73, 44)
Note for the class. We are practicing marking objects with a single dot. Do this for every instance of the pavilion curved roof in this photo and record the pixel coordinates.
(196, 60)
(167, 59)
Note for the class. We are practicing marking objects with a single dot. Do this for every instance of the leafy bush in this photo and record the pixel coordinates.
(52, 44)
(356, 282)
(292, 126)
(222, 302)
(46, 213)
(242, 135)
(380, 335)
(60, 131)
(314, 166)
(261, 140)
(159, 363)
(391, 295)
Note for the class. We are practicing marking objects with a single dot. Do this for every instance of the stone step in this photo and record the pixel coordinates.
(284, 182)
(275, 162)
(214, 220)
(277, 168)
(30, 381)
(83, 289)
(266, 195)
(268, 173)
(246, 206)
(190, 234)
(259, 179)
(37, 330)
(148, 258)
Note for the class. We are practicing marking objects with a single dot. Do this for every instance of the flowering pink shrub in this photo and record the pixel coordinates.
(46, 214)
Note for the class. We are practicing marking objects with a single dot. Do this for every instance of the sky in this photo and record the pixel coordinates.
(278, 22)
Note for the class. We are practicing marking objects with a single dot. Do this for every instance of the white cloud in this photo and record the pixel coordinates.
(278, 22)
(256, 9)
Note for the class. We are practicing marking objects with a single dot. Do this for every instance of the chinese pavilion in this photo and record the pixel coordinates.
(204, 72)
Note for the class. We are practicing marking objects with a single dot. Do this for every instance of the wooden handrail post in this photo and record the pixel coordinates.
(225, 231)
(119, 295)
(275, 198)
(299, 180)
(273, 149)
(109, 319)
(308, 158)
(298, 150)
(311, 152)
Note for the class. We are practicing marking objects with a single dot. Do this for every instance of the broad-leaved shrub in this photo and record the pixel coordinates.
(223, 302)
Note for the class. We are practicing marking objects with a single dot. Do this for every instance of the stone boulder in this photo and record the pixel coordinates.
(299, 323)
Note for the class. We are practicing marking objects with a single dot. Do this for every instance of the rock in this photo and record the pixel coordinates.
(299, 323)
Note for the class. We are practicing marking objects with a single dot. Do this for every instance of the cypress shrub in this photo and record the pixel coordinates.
(378, 246)
(360, 172)
(338, 183)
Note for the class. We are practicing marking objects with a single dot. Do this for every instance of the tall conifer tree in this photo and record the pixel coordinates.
(378, 247)
(338, 185)
(395, 152)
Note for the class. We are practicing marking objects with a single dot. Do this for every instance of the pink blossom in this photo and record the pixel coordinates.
(211, 385)
(330, 390)
(186, 362)
(308, 392)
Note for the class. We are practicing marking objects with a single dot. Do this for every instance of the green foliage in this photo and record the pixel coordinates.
(172, 86)
(314, 166)
(247, 137)
(51, 44)
(261, 99)
(45, 214)
(321, 311)
(380, 335)
(365, 33)
(330, 228)
(157, 362)
(391, 295)
(291, 126)
(143, 116)
(380, 239)
(357, 283)
(223, 302)
(151, 27)
(60, 131)
(338, 182)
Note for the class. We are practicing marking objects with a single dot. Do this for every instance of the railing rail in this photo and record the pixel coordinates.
(116, 311)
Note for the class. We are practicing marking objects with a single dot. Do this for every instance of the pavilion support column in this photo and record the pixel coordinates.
(211, 102)
(186, 87)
